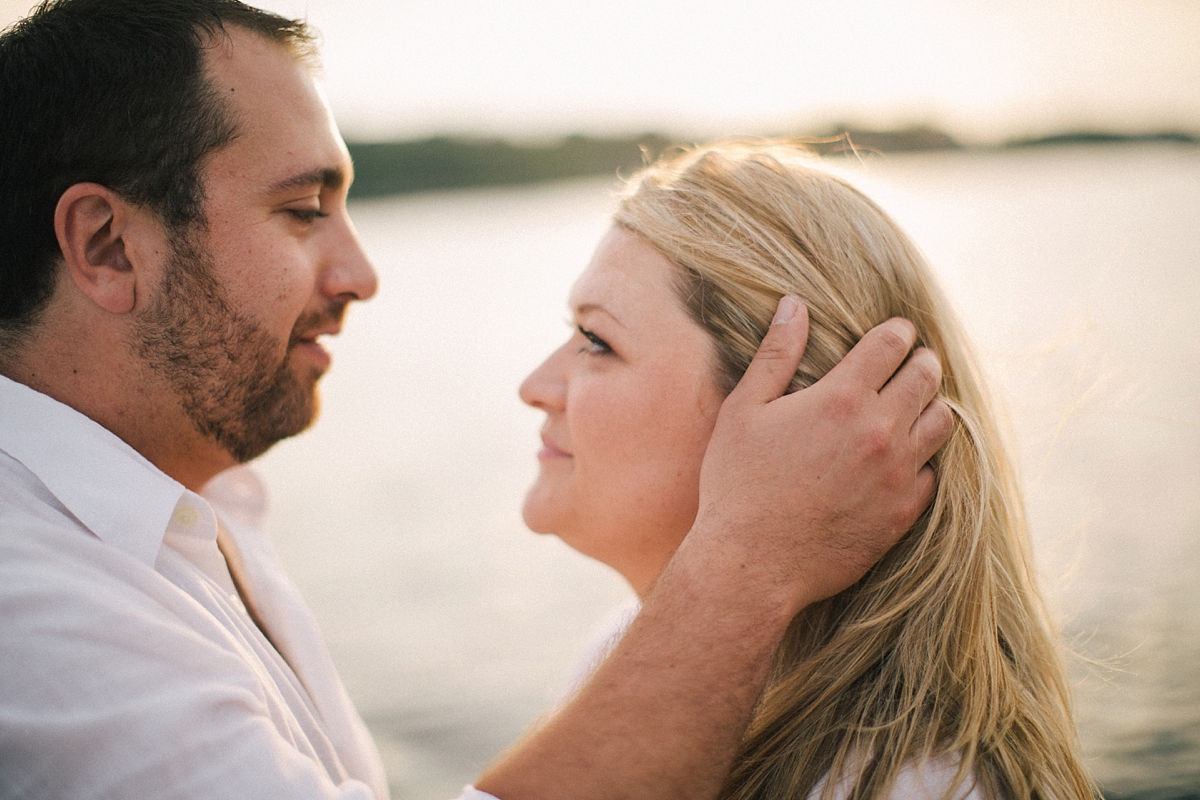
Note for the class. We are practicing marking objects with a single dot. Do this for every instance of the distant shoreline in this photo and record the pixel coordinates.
(404, 167)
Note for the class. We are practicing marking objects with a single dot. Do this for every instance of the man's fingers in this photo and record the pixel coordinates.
(926, 485)
(778, 356)
(932, 429)
(878, 354)
(915, 383)
(913, 390)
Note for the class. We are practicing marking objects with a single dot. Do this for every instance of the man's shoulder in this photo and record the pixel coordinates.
(21, 493)
(35, 528)
(70, 603)
(57, 578)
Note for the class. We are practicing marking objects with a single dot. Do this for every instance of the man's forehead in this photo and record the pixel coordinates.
(286, 137)
(235, 55)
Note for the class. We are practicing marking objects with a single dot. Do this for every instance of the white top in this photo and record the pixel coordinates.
(129, 667)
(927, 780)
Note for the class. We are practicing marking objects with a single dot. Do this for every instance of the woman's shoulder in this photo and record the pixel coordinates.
(931, 779)
(923, 780)
(600, 643)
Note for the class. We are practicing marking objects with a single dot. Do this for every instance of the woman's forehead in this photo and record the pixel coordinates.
(624, 275)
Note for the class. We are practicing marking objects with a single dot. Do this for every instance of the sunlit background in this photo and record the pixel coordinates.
(986, 69)
(1077, 269)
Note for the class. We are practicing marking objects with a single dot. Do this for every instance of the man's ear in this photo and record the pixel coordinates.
(91, 222)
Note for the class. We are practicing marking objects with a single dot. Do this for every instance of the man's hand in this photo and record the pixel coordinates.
(806, 491)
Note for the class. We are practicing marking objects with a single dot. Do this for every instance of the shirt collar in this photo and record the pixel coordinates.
(109, 487)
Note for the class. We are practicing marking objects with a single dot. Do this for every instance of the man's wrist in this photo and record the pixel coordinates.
(713, 558)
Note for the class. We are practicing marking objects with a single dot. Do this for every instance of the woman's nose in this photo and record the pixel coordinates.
(545, 387)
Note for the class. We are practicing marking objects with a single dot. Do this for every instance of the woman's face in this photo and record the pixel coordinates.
(630, 402)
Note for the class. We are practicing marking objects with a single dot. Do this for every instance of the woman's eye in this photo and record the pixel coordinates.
(307, 214)
(595, 345)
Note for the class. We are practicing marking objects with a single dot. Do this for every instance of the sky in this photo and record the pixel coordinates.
(986, 70)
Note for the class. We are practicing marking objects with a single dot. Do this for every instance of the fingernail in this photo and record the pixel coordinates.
(786, 310)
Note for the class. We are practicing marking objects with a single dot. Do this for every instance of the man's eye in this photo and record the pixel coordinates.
(307, 214)
(595, 343)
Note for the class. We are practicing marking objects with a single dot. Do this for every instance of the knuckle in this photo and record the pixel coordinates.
(928, 365)
(942, 418)
(844, 402)
(776, 342)
(898, 334)
(906, 513)
(877, 439)
(892, 339)
(771, 350)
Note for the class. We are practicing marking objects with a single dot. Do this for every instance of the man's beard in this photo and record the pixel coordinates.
(230, 375)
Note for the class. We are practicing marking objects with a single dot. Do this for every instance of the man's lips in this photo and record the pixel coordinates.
(308, 345)
(330, 328)
(310, 326)
(551, 450)
(315, 353)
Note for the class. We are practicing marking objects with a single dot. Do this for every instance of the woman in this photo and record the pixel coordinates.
(937, 675)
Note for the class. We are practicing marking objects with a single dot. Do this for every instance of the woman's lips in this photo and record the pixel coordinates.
(550, 450)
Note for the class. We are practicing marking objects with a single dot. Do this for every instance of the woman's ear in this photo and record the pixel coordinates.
(91, 222)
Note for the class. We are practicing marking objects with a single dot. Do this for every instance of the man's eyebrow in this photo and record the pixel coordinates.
(326, 177)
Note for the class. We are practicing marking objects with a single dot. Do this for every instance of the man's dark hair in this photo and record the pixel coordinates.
(112, 92)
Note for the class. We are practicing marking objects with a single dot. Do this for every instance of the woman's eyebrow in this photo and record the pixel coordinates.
(583, 308)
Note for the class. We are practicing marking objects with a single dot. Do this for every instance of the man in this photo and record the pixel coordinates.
(173, 243)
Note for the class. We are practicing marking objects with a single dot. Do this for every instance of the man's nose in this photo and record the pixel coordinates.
(350, 275)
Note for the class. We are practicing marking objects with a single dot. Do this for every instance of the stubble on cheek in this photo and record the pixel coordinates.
(231, 377)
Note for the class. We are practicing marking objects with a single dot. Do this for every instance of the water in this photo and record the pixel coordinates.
(1077, 273)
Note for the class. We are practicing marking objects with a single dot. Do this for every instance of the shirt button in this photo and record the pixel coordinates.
(186, 517)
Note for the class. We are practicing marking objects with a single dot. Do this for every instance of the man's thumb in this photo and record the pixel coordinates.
(778, 356)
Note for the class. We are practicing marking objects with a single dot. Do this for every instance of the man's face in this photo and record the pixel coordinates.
(223, 366)
(233, 325)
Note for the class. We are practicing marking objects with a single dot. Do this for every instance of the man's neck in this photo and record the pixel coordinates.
(117, 394)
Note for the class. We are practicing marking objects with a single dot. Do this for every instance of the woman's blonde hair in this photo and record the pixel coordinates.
(943, 650)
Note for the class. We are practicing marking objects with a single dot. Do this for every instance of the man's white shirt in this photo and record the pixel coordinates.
(129, 667)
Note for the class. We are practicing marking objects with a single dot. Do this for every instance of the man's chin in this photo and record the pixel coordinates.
(262, 430)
